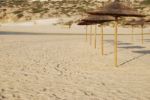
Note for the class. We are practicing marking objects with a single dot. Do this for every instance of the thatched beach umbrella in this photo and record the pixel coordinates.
(117, 9)
(147, 20)
(141, 22)
(132, 23)
(87, 24)
(99, 20)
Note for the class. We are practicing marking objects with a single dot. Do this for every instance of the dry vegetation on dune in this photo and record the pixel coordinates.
(22, 10)
(12, 10)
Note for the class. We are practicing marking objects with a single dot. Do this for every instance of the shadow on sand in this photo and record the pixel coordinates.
(137, 57)
(29, 33)
(147, 40)
(132, 47)
(141, 52)
(124, 43)
(120, 43)
(33, 33)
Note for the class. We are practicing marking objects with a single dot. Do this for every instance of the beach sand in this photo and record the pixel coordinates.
(66, 67)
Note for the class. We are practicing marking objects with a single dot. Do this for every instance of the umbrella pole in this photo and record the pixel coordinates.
(102, 40)
(91, 35)
(142, 34)
(116, 43)
(132, 34)
(95, 36)
(86, 32)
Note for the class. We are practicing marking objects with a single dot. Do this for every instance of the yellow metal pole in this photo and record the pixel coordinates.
(102, 40)
(95, 36)
(142, 34)
(116, 43)
(91, 35)
(86, 32)
(132, 34)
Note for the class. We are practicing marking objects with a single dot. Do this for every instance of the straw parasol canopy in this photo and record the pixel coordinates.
(132, 23)
(141, 22)
(117, 9)
(85, 23)
(98, 19)
(147, 20)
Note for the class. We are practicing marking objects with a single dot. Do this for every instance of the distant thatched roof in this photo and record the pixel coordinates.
(85, 23)
(147, 20)
(140, 22)
(131, 22)
(137, 22)
(117, 9)
(98, 19)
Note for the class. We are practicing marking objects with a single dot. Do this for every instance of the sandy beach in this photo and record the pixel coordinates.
(66, 67)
